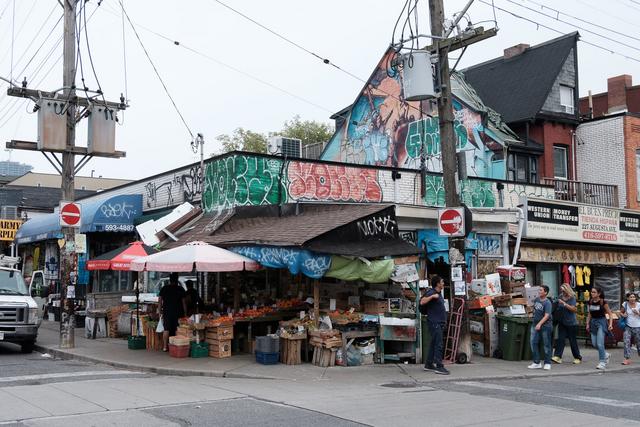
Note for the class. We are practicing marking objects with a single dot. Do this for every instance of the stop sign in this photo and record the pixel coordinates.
(451, 222)
(69, 214)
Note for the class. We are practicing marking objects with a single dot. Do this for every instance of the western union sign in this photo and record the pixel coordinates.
(8, 228)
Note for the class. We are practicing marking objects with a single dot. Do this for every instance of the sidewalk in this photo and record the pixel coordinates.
(114, 352)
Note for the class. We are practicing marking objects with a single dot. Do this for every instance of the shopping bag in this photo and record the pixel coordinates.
(160, 327)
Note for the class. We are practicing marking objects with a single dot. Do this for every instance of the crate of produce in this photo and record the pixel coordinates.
(220, 349)
(178, 350)
(219, 333)
(199, 350)
(137, 343)
(267, 358)
(268, 344)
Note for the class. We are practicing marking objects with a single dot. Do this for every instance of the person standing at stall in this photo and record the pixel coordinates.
(171, 306)
(193, 301)
(598, 326)
(541, 329)
(432, 305)
(631, 312)
(567, 324)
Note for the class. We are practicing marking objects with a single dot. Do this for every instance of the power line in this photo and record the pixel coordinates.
(607, 13)
(577, 26)
(583, 20)
(538, 24)
(155, 69)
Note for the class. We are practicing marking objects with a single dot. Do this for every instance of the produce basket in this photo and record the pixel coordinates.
(178, 350)
(199, 350)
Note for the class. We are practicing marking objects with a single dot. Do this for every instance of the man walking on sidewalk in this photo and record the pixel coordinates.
(432, 305)
(541, 329)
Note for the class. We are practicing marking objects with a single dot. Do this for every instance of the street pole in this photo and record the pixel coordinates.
(67, 318)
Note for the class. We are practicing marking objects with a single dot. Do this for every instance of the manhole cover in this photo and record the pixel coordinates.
(401, 385)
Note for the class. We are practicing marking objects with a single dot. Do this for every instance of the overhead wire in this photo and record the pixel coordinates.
(584, 20)
(540, 25)
(603, 11)
(86, 39)
(156, 70)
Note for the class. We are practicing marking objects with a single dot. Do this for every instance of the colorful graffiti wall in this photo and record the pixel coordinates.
(383, 129)
(246, 180)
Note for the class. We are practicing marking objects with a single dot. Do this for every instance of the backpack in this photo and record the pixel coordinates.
(423, 307)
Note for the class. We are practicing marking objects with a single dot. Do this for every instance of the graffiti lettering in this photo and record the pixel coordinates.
(378, 227)
(190, 183)
(313, 181)
(489, 245)
(154, 190)
(410, 237)
(117, 210)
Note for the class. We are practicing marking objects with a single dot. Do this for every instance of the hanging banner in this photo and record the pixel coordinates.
(8, 229)
(574, 222)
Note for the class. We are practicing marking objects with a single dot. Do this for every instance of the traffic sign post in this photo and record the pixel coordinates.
(451, 222)
(70, 214)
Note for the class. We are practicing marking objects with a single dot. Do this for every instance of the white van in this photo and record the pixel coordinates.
(19, 314)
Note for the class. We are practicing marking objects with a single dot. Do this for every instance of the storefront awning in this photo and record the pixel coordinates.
(116, 214)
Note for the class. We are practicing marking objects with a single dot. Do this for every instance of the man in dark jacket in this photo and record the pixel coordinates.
(172, 306)
(432, 305)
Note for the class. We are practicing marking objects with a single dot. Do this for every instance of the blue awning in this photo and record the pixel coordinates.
(114, 214)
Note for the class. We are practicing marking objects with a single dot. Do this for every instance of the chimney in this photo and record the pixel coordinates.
(516, 50)
(617, 93)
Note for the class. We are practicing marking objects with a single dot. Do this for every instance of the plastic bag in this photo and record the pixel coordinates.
(160, 327)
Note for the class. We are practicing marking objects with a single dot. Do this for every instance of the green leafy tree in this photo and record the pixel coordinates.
(309, 131)
(244, 140)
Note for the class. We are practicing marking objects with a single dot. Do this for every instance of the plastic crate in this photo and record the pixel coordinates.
(268, 344)
(267, 358)
(178, 350)
(199, 350)
(137, 343)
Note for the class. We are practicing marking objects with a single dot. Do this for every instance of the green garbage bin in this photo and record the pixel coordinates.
(426, 338)
(513, 331)
(526, 351)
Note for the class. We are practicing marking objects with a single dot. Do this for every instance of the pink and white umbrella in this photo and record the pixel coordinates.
(198, 256)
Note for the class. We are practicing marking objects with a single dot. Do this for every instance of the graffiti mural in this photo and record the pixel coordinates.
(383, 129)
(174, 189)
(320, 181)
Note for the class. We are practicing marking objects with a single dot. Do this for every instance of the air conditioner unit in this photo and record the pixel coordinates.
(9, 212)
(282, 146)
(568, 109)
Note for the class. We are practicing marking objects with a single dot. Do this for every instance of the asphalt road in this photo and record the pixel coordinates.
(36, 390)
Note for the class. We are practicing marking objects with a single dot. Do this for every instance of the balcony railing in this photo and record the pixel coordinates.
(584, 192)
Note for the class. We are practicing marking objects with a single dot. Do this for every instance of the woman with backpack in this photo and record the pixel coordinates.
(567, 324)
(630, 311)
(598, 325)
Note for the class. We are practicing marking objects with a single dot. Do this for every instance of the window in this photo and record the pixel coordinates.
(566, 99)
(522, 168)
(560, 163)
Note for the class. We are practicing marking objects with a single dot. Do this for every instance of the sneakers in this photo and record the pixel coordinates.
(441, 370)
(429, 367)
(626, 362)
(577, 361)
(601, 366)
(547, 366)
(607, 357)
(535, 366)
(556, 359)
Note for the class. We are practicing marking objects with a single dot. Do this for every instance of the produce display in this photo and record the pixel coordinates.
(342, 317)
(286, 304)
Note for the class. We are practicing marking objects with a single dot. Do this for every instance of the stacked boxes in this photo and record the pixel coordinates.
(219, 340)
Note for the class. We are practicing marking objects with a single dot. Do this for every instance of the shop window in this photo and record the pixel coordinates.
(631, 279)
(560, 169)
(549, 275)
(609, 280)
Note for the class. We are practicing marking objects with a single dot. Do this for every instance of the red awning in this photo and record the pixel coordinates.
(120, 259)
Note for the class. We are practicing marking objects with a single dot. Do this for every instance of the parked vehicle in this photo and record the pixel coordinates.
(20, 317)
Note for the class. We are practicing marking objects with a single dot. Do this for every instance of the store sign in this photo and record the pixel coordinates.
(581, 223)
(577, 256)
(8, 229)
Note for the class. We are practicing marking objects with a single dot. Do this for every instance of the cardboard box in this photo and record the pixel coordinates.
(512, 272)
(512, 310)
(484, 287)
(480, 302)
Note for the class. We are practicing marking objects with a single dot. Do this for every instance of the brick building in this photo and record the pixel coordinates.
(621, 96)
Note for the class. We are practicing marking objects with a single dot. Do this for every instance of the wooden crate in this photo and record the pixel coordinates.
(219, 333)
(219, 349)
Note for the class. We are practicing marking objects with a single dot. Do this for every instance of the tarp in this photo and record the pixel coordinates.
(294, 259)
(355, 269)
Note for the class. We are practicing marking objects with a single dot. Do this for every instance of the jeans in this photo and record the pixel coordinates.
(628, 333)
(567, 331)
(434, 355)
(545, 333)
(598, 328)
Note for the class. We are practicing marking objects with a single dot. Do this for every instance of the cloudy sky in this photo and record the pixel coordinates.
(227, 72)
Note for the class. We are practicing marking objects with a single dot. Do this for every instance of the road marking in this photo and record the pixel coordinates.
(584, 399)
(63, 375)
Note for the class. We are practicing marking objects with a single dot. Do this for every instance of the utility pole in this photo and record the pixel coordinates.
(67, 167)
(67, 304)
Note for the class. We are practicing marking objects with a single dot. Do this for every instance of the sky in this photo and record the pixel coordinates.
(227, 72)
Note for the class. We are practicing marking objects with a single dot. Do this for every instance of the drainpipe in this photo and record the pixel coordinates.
(519, 238)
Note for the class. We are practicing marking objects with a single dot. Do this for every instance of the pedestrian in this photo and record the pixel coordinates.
(432, 305)
(598, 325)
(541, 329)
(631, 312)
(193, 301)
(171, 306)
(567, 324)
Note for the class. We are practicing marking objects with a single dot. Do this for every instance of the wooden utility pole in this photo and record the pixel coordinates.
(67, 260)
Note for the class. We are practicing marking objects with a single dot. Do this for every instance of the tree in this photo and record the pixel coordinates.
(244, 140)
(309, 131)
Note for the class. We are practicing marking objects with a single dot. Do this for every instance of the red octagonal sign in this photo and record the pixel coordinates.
(451, 222)
(69, 214)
